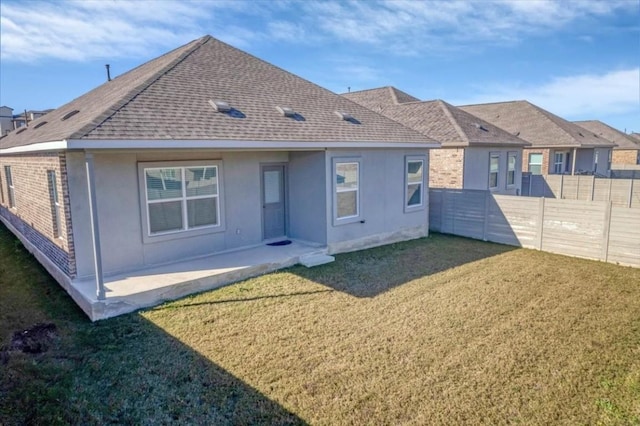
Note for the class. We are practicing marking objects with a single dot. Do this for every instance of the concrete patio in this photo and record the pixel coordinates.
(149, 287)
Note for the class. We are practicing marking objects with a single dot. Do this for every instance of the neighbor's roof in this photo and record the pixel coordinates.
(167, 99)
(536, 125)
(635, 135)
(621, 139)
(437, 119)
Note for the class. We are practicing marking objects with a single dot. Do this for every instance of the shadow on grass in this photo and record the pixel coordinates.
(369, 273)
(125, 370)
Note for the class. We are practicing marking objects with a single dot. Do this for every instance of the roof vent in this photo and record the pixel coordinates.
(220, 106)
(481, 127)
(21, 130)
(40, 124)
(517, 133)
(344, 116)
(286, 111)
(69, 114)
(580, 133)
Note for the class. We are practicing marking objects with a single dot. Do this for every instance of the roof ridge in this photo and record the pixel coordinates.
(453, 121)
(394, 96)
(133, 93)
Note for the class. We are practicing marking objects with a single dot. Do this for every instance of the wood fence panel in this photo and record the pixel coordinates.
(620, 190)
(435, 210)
(635, 193)
(553, 188)
(468, 209)
(570, 185)
(574, 227)
(624, 236)
(601, 190)
(513, 220)
(585, 187)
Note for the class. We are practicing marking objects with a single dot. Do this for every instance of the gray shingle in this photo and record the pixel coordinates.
(536, 125)
(623, 140)
(168, 99)
(437, 119)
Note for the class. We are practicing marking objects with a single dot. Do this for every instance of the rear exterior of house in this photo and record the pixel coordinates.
(475, 154)
(627, 149)
(182, 158)
(557, 146)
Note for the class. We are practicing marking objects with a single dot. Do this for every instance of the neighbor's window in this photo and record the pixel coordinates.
(558, 162)
(415, 182)
(181, 198)
(55, 202)
(535, 164)
(511, 168)
(10, 189)
(494, 167)
(347, 189)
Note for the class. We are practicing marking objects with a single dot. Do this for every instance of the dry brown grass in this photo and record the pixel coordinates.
(442, 330)
(518, 337)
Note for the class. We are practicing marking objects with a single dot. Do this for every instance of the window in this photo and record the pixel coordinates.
(347, 201)
(414, 182)
(511, 168)
(181, 198)
(558, 163)
(535, 164)
(494, 167)
(11, 193)
(55, 202)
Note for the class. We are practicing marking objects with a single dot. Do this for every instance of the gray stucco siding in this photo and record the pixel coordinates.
(476, 169)
(382, 188)
(307, 200)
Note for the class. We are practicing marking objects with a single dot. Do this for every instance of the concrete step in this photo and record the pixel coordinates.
(315, 259)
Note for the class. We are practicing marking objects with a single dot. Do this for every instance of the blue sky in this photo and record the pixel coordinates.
(579, 59)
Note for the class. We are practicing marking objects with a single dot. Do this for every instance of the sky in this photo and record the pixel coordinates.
(579, 59)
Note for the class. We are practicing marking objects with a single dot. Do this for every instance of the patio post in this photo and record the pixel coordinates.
(95, 230)
(573, 161)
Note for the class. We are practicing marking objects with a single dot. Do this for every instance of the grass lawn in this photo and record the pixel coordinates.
(442, 330)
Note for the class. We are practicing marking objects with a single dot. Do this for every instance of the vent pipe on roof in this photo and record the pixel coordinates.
(107, 66)
(344, 115)
(220, 106)
(286, 111)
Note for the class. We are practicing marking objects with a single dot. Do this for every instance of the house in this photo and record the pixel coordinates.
(10, 121)
(557, 145)
(626, 152)
(474, 155)
(201, 151)
(6, 120)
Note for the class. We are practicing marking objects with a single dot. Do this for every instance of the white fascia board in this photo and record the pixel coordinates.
(37, 147)
(237, 145)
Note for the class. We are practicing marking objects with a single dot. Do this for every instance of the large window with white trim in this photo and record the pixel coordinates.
(414, 181)
(54, 199)
(511, 168)
(347, 189)
(181, 198)
(494, 168)
(11, 193)
(535, 164)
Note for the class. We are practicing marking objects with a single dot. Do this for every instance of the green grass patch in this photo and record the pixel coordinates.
(440, 330)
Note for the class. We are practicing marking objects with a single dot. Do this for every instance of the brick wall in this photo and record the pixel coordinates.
(625, 156)
(446, 166)
(33, 214)
(545, 159)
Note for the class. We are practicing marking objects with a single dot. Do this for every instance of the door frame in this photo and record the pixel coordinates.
(285, 191)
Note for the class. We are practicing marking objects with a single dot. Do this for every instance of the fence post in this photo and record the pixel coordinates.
(593, 187)
(487, 200)
(442, 194)
(605, 233)
(630, 192)
(540, 222)
(561, 186)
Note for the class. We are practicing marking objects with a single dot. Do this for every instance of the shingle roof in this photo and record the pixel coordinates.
(377, 98)
(635, 136)
(437, 119)
(168, 99)
(623, 140)
(536, 125)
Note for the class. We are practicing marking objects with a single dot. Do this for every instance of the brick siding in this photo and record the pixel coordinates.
(545, 159)
(625, 156)
(446, 166)
(33, 215)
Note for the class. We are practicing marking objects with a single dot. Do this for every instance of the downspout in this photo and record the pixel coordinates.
(573, 162)
(95, 230)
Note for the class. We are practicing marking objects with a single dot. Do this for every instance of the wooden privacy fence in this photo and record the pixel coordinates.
(621, 192)
(590, 229)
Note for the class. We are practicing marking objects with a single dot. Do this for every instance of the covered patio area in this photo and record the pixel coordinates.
(149, 287)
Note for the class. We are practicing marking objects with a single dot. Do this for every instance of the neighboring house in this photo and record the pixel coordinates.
(6, 120)
(627, 150)
(203, 150)
(23, 119)
(557, 145)
(474, 155)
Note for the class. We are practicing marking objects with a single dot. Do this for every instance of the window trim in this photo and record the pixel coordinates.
(410, 159)
(493, 155)
(562, 163)
(185, 232)
(11, 191)
(511, 154)
(346, 219)
(54, 198)
(536, 164)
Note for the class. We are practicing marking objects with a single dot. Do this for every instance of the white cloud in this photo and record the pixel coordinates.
(572, 97)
